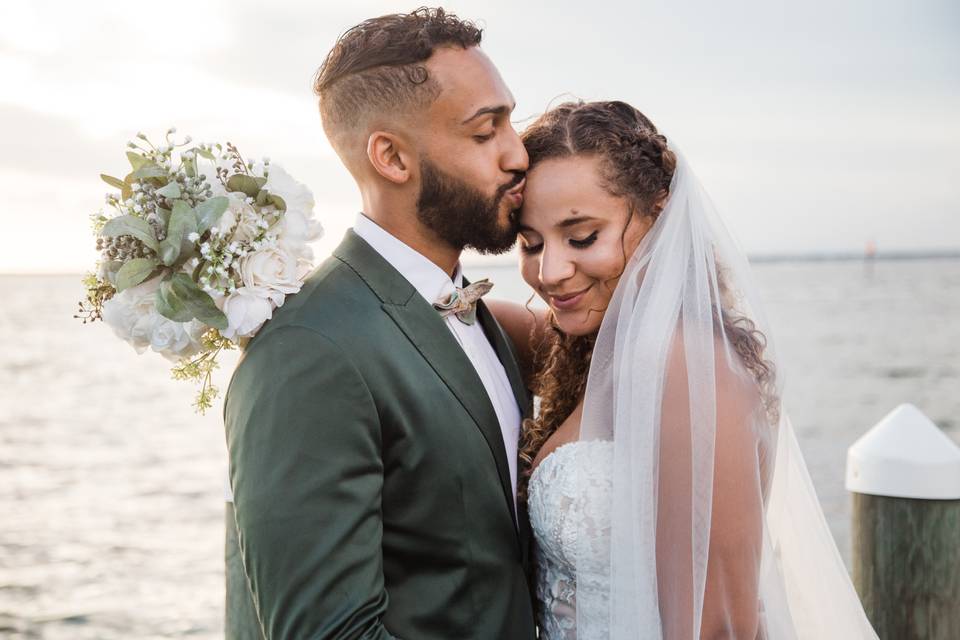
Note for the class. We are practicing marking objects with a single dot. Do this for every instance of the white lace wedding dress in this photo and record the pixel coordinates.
(568, 490)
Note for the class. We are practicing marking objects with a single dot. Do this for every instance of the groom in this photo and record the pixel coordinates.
(373, 423)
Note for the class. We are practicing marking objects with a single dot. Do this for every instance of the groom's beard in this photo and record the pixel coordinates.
(462, 216)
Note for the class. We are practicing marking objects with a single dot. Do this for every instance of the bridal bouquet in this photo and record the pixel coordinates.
(197, 247)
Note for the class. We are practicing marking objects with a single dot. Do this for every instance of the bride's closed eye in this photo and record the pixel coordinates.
(531, 249)
(584, 243)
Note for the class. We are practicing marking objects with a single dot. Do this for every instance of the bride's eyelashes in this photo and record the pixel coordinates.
(586, 242)
(531, 249)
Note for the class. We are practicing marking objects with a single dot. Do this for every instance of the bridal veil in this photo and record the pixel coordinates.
(716, 531)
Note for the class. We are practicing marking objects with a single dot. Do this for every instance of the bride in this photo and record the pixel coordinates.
(666, 490)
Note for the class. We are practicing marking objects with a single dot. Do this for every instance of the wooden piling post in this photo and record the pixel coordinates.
(905, 477)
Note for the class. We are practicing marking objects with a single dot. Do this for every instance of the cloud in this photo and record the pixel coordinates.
(800, 118)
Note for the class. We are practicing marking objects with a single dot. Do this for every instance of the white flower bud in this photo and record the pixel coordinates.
(193, 237)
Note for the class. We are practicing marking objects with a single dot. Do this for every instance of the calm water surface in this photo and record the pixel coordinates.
(111, 487)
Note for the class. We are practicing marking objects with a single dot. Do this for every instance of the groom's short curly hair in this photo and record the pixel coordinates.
(376, 67)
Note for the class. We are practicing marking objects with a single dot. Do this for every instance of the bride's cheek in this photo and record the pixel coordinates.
(529, 271)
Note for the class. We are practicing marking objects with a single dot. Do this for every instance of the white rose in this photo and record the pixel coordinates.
(296, 230)
(241, 214)
(133, 316)
(272, 268)
(124, 310)
(295, 194)
(247, 309)
(174, 340)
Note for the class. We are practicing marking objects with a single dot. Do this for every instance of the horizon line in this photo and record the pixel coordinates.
(758, 258)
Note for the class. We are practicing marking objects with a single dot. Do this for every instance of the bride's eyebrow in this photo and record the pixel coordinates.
(576, 219)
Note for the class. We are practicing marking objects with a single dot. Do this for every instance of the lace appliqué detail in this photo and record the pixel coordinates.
(569, 504)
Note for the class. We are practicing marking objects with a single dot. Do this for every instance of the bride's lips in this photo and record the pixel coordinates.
(568, 301)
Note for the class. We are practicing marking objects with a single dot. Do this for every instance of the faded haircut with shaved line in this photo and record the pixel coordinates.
(376, 69)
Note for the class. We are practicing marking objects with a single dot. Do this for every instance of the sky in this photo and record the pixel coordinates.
(816, 126)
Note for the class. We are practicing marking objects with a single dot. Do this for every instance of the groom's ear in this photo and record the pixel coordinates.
(389, 156)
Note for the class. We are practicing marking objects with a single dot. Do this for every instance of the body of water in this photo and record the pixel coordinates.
(111, 488)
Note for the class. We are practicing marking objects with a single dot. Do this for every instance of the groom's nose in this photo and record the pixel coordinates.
(514, 158)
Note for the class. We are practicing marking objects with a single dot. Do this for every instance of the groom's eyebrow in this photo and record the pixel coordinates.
(497, 111)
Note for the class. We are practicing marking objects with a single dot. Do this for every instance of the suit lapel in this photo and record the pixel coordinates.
(427, 331)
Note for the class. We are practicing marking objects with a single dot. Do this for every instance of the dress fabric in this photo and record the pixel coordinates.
(569, 489)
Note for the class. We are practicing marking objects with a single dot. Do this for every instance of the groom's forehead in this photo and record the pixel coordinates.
(469, 82)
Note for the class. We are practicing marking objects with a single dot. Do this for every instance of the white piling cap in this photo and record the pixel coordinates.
(905, 456)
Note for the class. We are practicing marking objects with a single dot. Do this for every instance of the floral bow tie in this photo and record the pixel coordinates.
(463, 302)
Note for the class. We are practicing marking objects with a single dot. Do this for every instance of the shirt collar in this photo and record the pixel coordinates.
(427, 278)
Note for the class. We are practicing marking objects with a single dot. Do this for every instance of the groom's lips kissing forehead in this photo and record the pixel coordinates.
(515, 194)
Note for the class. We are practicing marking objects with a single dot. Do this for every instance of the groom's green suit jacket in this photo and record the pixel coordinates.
(370, 479)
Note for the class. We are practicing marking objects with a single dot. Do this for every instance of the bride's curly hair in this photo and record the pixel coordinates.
(638, 165)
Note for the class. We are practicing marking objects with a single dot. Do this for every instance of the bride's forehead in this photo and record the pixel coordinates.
(558, 190)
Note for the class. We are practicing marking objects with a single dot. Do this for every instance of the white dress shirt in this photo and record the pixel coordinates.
(432, 283)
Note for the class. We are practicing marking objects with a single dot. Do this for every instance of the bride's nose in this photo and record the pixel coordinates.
(556, 266)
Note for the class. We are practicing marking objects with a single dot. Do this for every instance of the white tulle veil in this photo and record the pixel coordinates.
(716, 531)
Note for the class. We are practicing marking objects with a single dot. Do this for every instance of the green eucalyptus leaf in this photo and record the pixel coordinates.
(131, 226)
(277, 202)
(171, 190)
(164, 216)
(150, 171)
(113, 182)
(263, 197)
(110, 269)
(197, 302)
(182, 223)
(136, 160)
(169, 305)
(134, 272)
(185, 255)
(247, 184)
(189, 166)
(206, 154)
(209, 211)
